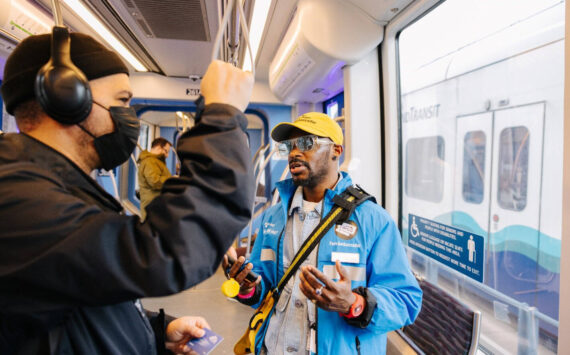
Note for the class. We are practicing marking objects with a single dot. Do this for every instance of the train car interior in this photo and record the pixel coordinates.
(453, 116)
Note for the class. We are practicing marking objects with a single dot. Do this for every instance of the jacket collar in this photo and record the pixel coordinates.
(287, 190)
(145, 154)
(17, 148)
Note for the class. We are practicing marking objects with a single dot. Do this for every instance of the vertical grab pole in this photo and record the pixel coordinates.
(221, 30)
(233, 41)
(261, 168)
(223, 25)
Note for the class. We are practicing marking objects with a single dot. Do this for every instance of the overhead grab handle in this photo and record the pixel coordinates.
(222, 28)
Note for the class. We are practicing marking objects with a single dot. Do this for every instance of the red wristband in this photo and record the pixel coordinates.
(356, 308)
(247, 295)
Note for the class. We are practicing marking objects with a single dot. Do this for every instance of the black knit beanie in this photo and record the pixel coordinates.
(94, 60)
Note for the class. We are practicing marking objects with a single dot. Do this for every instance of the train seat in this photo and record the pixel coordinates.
(444, 326)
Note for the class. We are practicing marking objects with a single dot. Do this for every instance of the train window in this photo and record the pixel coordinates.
(474, 146)
(481, 131)
(143, 138)
(424, 170)
(332, 110)
(334, 106)
(513, 168)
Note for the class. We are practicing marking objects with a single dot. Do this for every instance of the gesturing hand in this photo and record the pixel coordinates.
(333, 296)
(245, 285)
(181, 330)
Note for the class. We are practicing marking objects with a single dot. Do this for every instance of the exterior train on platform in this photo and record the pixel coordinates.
(453, 118)
(481, 131)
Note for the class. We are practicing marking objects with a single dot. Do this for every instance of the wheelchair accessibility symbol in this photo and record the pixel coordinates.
(414, 231)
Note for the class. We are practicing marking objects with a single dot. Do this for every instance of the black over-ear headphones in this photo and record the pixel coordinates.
(61, 88)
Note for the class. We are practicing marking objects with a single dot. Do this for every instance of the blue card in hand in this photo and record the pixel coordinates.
(205, 344)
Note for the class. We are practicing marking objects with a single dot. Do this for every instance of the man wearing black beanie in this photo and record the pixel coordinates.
(72, 264)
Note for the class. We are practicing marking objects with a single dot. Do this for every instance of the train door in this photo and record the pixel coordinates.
(497, 193)
(515, 199)
(473, 175)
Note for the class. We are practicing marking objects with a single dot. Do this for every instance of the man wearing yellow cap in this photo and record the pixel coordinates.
(355, 286)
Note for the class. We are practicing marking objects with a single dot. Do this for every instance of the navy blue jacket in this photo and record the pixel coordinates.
(72, 264)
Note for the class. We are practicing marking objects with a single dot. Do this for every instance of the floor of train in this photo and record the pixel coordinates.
(225, 316)
(229, 318)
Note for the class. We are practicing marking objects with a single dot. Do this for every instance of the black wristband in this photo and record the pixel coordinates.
(365, 317)
(253, 299)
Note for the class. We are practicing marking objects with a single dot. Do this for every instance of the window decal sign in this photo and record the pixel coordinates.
(453, 247)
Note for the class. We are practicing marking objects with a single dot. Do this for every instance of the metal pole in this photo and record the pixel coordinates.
(233, 41)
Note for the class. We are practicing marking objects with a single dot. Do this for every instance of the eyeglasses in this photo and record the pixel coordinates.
(304, 144)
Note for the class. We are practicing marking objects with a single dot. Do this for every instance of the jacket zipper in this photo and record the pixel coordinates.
(317, 310)
(357, 345)
(277, 278)
(317, 266)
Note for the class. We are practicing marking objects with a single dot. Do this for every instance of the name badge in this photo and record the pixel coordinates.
(351, 258)
(346, 231)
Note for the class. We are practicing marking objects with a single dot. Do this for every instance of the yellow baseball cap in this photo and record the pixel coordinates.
(316, 123)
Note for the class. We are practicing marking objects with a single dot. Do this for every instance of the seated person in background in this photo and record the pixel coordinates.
(327, 306)
(152, 171)
(72, 264)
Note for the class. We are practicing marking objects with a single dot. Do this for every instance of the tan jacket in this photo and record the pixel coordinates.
(152, 175)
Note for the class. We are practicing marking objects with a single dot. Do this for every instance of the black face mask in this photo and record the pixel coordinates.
(115, 148)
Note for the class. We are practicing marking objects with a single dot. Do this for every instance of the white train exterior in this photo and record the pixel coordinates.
(482, 138)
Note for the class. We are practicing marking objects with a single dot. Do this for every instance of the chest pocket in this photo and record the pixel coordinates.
(350, 250)
(356, 272)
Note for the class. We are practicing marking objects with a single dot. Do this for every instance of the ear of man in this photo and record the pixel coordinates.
(337, 151)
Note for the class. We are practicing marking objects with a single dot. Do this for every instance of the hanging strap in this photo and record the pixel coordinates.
(344, 205)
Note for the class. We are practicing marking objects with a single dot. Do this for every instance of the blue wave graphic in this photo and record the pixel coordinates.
(519, 278)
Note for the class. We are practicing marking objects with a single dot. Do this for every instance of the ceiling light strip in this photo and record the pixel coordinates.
(80, 10)
(258, 19)
(34, 14)
(9, 36)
